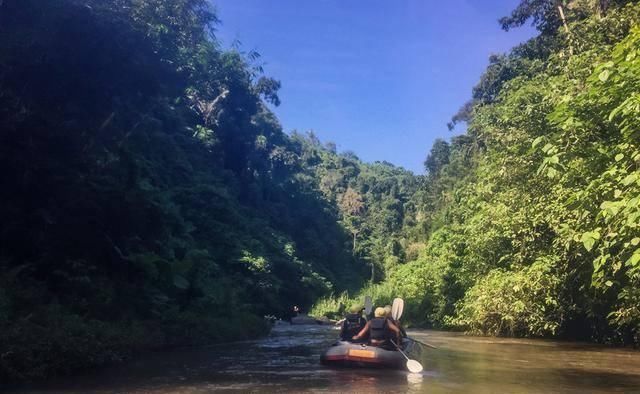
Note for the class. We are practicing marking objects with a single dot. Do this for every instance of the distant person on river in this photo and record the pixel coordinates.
(380, 330)
(353, 323)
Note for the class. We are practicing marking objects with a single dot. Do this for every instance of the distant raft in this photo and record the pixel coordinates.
(347, 354)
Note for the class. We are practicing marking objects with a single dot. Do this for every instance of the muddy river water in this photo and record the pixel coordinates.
(288, 361)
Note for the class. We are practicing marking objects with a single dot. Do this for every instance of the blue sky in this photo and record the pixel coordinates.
(377, 77)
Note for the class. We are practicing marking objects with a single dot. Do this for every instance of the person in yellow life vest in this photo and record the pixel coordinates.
(380, 330)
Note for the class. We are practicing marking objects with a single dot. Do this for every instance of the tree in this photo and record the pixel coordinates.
(438, 157)
(352, 207)
(547, 15)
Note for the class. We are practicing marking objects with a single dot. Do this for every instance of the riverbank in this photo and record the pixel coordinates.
(58, 344)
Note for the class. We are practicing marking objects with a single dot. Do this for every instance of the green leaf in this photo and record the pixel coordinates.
(604, 75)
(630, 56)
(635, 241)
(629, 179)
(599, 262)
(608, 283)
(588, 240)
(536, 141)
(619, 157)
(634, 259)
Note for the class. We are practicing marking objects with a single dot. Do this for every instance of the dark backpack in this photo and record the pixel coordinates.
(351, 326)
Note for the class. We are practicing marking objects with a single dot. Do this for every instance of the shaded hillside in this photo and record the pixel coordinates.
(149, 197)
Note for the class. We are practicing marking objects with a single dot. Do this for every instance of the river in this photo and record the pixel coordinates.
(288, 361)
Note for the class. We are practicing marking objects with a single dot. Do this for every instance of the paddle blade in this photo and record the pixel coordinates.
(397, 308)
(414, 366)
(368, 305)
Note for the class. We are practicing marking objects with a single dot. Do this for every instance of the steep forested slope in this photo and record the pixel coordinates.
(533, 216)
(148, 196)
(375, 201)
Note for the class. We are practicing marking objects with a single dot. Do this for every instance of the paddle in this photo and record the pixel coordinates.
(397, 308)
(368, 305)
(422, 343)
(412, 365)
(396, 312)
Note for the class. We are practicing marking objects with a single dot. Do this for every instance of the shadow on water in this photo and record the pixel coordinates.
(288, 361)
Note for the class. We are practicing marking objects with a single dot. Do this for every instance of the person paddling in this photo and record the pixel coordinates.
(380, 330)
(387, 310)
(353, 323)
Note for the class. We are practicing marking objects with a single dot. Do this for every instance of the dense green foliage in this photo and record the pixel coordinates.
(375, 201)
(148, 197)
(531, 220)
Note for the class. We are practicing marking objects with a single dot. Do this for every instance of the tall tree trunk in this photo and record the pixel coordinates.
(566, 27)
(373, 272)
(564, 20)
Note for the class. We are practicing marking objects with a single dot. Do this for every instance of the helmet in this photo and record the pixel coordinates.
(355, 309)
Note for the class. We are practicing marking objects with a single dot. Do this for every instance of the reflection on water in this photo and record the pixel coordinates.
(288, 361)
